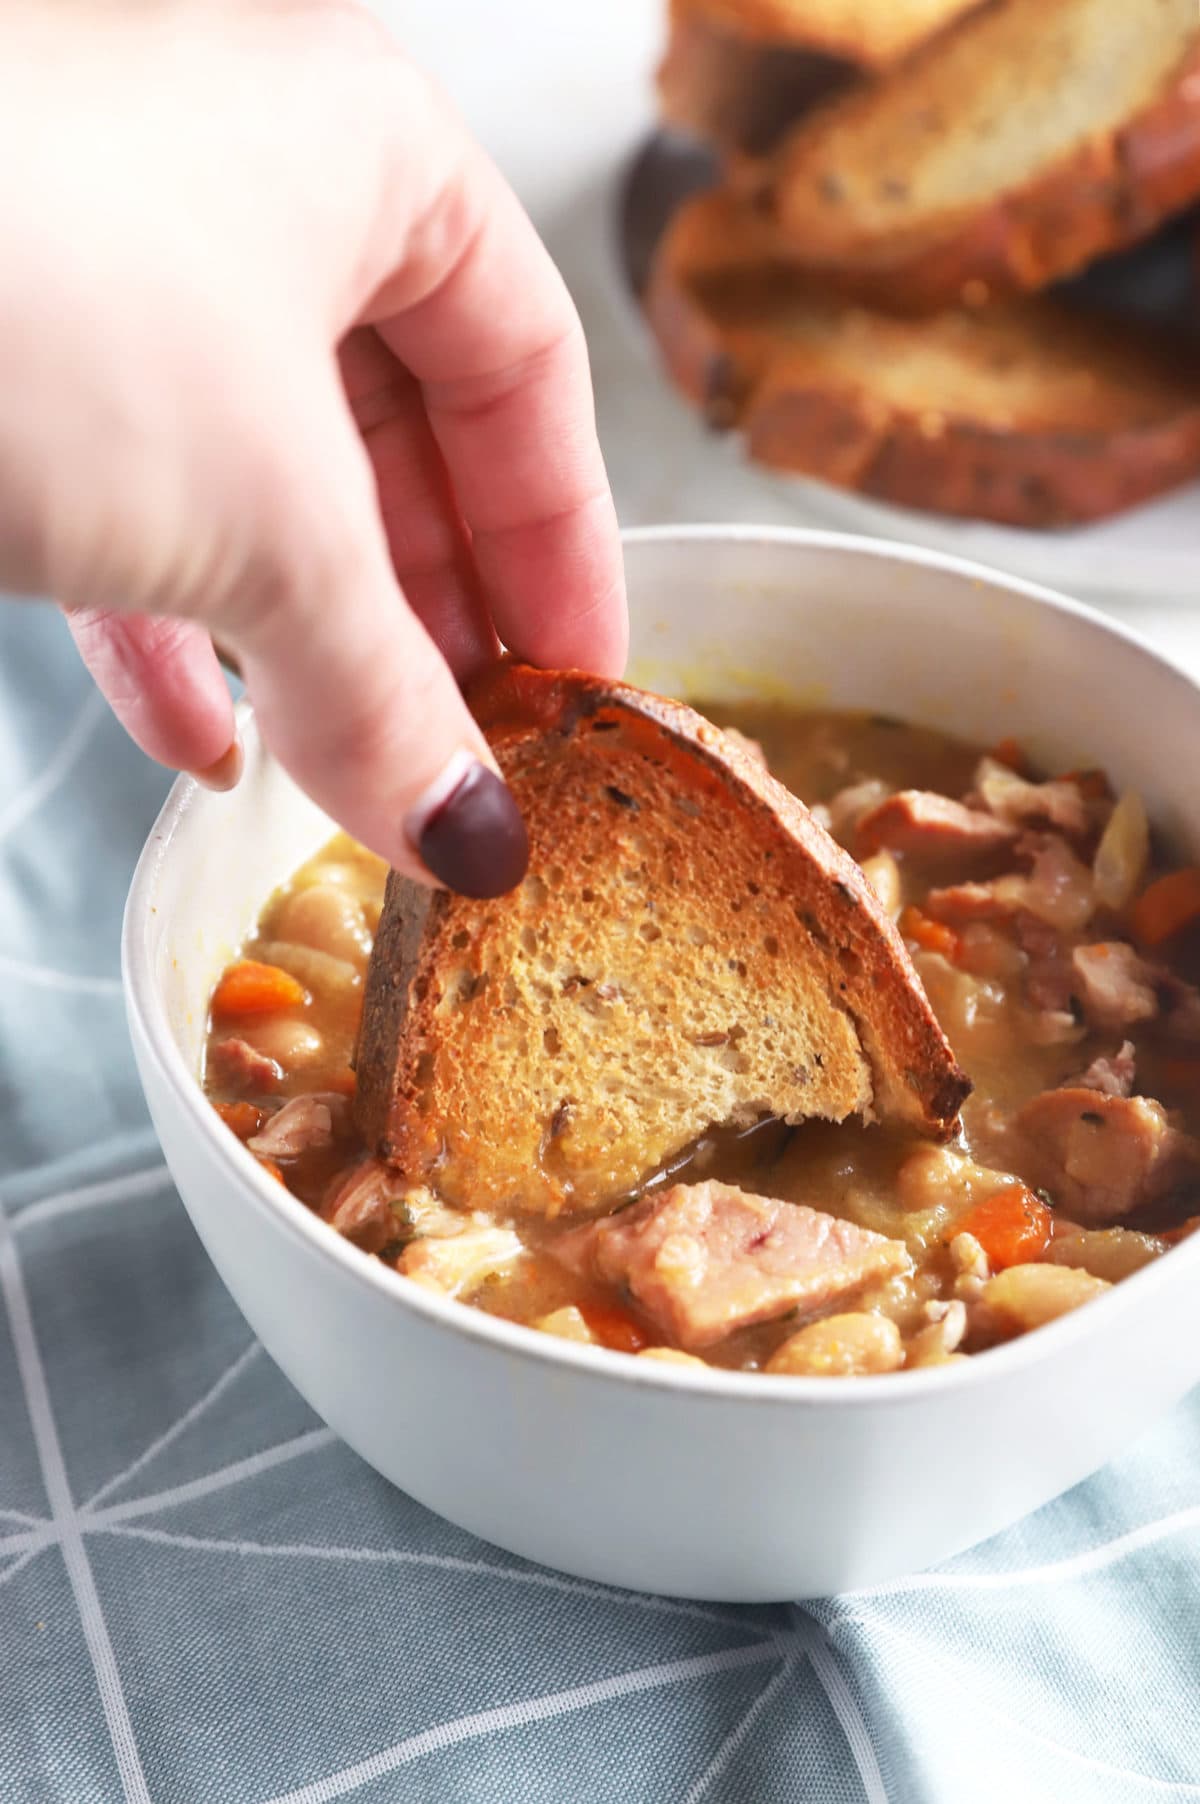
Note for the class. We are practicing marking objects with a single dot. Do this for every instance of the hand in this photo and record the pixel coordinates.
(283, 362)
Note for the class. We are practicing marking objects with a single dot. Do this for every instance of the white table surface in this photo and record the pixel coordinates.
(562, 97)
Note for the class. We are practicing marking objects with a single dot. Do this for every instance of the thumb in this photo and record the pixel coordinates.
(350, 691)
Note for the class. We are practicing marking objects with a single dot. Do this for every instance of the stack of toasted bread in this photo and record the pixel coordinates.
(864, 294)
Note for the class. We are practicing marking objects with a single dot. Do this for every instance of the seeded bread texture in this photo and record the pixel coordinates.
(688, 949)
(1012, 150)
(1030, 414)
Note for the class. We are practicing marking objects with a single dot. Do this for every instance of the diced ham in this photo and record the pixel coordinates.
(704, 1260)
(1101, 1157)
(1048, 983)
(303, 1123)
(964, 903)
(935, 829)
(239, 1066)
(1115, 987)
(1058, 804)
(1113, 1076)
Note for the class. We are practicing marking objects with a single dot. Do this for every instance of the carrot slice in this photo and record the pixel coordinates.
(249, 988)
(272, 1170)
(1012, 1226)
(613, 1328)
(242, 1117)
(1168, 904)
(931, 935)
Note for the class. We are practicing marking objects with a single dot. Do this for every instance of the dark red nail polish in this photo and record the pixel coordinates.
(476, 842)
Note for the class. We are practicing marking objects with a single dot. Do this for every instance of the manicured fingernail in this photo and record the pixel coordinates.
(469, 831)
(225, 772)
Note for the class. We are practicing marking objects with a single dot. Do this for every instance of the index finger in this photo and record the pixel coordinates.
(484, 321)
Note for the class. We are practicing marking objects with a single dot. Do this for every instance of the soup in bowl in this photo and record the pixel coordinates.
(531, 1377)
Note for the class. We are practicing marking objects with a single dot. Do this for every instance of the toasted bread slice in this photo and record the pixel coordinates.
(1029, 414)
(869, 33)
(689, 949)
(1029, 139)
(738, 93)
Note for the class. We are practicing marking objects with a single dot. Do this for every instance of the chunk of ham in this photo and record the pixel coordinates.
(303, 1123)
(239, 1066)
(1059, 803)
(1101, 1157)
(1113, 1076)
(935, 829)
(1116, 988)
(704, 1260)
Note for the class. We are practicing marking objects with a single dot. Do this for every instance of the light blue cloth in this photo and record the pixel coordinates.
(205, 1599)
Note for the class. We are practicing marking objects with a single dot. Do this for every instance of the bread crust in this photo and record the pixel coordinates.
(719, 301)
(869, 36)
(853, 943)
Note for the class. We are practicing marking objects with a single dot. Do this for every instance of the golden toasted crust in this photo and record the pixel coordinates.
(739, 93)
(872, 33)
(1028, 414)
(1013, 150)
(689, 948)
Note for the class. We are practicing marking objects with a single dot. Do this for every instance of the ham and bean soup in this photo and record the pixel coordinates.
(1060, 950)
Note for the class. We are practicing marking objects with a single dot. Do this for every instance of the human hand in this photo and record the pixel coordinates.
(283, 361)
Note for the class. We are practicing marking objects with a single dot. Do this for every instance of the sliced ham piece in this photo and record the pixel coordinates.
(1115, 987)
(1102, 1157)
(1113, 1076)
(242, 1068)
(703, 1260)
(1058, 804)
(933, 828)
(302, 1123)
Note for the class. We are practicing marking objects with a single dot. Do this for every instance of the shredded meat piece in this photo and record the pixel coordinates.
(1048, 973)
(931, 827)
(1059, 803)
(1058, 889)
(1113, 1076)
(1101, 1157)
(239, 1066)
(1115, 987)
(706, 1259)
(304, 1122)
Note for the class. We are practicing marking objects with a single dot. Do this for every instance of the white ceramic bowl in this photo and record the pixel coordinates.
(704, 1484)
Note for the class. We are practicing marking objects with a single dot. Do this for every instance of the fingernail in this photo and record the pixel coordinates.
(469, 831)
(225, 772)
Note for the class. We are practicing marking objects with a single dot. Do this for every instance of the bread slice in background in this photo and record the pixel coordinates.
(1029, 414)
(689, 948)
(1010, 151)
(870, 34)
(737, 93)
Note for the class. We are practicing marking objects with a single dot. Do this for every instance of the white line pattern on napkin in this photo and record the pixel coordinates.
(23, 804)
(58, 1493)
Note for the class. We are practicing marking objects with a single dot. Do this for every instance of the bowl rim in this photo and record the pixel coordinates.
(249, 1183)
